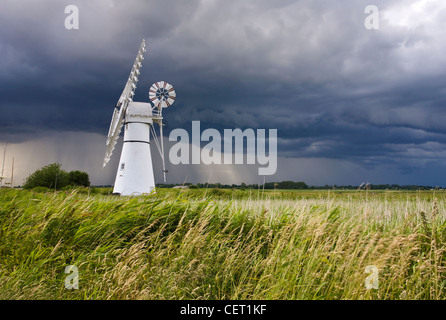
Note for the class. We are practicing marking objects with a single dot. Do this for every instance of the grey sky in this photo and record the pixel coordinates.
(350, 104)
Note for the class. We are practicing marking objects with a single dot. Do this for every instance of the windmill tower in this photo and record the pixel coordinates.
(135, 170)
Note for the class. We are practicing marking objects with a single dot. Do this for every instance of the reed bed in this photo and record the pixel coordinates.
(223, 244)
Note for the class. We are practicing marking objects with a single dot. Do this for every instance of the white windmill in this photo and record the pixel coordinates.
(135, 171)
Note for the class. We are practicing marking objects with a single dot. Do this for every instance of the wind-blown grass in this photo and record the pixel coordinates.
(222, 244)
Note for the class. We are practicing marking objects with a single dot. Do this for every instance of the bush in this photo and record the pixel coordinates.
(50, 176)
(53, 177)
(78, 178)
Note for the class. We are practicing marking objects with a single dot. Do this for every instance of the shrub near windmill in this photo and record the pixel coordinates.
(53, 177)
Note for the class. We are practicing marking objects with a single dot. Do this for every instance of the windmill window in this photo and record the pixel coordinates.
(122, 166)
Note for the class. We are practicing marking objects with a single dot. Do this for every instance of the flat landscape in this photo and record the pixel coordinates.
(223, 244)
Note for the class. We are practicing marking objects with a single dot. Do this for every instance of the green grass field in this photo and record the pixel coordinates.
(223, 244)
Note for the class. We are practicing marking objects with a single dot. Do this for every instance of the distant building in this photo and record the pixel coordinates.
(181, 187)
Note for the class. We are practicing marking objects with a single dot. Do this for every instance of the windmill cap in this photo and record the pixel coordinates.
(139, 112)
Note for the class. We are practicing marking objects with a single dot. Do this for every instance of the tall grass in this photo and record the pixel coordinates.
(222, 244)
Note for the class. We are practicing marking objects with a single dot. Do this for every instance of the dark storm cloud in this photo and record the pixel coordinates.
(308, 68)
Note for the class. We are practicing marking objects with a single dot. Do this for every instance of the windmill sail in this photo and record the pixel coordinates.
(121, 105)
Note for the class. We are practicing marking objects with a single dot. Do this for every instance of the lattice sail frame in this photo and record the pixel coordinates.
(121, 106)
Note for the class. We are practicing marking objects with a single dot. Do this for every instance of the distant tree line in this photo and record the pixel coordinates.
(302, 186)
(53, 177)
(377, 187)
(268, 185)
